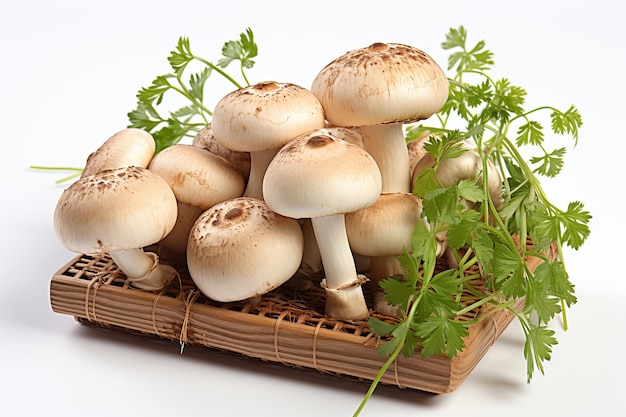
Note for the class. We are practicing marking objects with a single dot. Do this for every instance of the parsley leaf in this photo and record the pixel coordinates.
(170, 126)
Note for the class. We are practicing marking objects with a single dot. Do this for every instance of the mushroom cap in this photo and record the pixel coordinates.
(265, 116)
(382, 83)
(117, 209)
(385, 228)
(467, 166)
(197, 176)
(317, 174)
(128, 147)
(240, 249)
(206, 139)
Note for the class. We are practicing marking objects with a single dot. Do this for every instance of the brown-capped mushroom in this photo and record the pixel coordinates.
(320, 177)
(240, 160)
(240, 249)
(128, 147)
(260, 119)
(199, 179)
(119, 212)
(378, 88)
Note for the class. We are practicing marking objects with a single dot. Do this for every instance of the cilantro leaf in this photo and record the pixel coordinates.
(441, 336)
(188, 119)
(538, 348)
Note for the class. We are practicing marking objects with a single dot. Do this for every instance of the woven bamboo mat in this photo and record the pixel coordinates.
(285, 326)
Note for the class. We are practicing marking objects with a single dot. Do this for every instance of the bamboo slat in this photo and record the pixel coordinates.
(284, 327)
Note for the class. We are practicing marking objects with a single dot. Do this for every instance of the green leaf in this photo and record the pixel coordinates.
(397, 293)
(197, 82)
(441, 336)
(576, 224)
(242, 50)
(538, 348)
(540, 301)
(551, 163)
(572, 226)
(181, 56)
(469, 190)
(567, 122)
(509, 269)
(530, 133)
(380, 328)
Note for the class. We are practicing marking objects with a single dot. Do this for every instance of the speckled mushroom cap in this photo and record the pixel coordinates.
(240, 249)
(265, 116)
(382, 83)
(197, 177)
(117, 209)
(317, 174)
(386, 227)
(128, 147)
(206, 139)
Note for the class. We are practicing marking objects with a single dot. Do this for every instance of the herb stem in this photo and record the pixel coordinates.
(219, 71)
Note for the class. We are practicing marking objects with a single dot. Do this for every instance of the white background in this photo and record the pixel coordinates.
(69, 72)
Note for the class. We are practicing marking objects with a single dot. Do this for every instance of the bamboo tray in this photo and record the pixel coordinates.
(285, 326)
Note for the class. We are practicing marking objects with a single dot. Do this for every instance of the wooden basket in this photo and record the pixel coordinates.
(286, 326)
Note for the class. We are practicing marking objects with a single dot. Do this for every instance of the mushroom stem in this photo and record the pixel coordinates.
(143, 269)
(311, 258)
(383, 267)
(387, 145)
(345, 298)
(259, 160)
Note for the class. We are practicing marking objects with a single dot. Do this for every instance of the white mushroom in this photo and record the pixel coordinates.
(240, 160)
(128, 147)
(383, 231)
(467, 166)
(119, 212)
(260, 119)
(240, 249)
(320, 177)
(378, 88)
(199, 179)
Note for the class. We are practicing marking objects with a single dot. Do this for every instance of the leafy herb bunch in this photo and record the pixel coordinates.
(498, 127)
(169, 129)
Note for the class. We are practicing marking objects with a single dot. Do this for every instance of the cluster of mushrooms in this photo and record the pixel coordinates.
(284, 181)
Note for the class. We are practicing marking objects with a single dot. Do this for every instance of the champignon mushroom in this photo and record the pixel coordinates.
(320, 177)
(128, 147)
(378, 88)
(206, 139)
(467, 166)
(119, 212)
(417, 150)
(199, 179)
(240, 249)
(260, 119)
(383, 231)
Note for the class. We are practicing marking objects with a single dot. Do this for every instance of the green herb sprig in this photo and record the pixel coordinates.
(433, 302)
(185, 121)
(171, 127)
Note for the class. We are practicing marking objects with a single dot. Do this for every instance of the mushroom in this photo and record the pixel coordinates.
(320, 177)
(260, 119)
(312, 260)
(417, 151)
(240, 160)
(119, 212)
(467, 166)
(240, 249)
(383, 231)
(128, 147)
(199, 179)
(378, 88)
